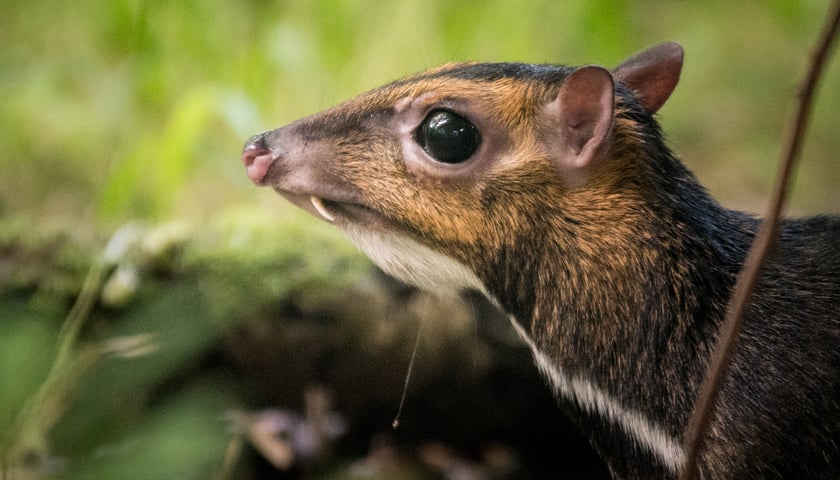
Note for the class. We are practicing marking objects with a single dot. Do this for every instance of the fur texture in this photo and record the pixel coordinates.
(613, 262)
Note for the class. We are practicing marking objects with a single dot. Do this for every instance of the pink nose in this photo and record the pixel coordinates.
(257, 160)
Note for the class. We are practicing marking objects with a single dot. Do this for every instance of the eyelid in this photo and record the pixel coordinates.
(426, 101)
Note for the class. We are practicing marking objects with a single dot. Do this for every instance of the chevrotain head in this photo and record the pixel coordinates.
(434, 174)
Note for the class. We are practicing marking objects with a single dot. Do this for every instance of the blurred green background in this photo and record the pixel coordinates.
(129, 116)
(138, 109)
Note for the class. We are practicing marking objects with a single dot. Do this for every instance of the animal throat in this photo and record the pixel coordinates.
(418, 265)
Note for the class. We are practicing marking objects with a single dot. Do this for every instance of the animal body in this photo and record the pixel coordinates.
(550, 189)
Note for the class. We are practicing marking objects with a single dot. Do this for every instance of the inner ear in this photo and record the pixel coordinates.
(652, 74)
(585, 104)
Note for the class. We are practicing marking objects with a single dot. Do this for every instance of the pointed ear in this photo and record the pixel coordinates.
(652, 74)
(584, 113)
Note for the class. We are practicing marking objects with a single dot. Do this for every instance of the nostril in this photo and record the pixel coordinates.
(254, 147)
(251, 152)
(257, 159)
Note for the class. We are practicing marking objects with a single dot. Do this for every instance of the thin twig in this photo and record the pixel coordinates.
(396, 423)
(761, 247)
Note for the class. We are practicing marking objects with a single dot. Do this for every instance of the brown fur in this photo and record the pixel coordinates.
(615, 263)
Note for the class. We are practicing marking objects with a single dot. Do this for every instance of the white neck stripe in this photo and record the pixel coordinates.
(592, 399)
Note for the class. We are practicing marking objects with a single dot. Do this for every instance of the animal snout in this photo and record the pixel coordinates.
(257, 158)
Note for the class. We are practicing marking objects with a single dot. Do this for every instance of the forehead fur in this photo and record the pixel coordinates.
(491, 72)
(510, 90)
(485, 80)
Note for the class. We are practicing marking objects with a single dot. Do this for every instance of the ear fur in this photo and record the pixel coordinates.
(652, 74)
(584, 108)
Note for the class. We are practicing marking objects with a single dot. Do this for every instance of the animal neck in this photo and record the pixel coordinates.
(615, 308)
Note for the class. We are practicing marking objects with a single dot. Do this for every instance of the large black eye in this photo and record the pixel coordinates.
(448, 137)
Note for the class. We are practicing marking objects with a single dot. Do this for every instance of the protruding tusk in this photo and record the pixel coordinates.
(319, 206)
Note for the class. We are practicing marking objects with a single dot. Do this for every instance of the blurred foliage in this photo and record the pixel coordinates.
(191, 284)
(128, 111)
(131, 108)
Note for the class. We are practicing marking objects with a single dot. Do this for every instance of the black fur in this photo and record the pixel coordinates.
(779, 413)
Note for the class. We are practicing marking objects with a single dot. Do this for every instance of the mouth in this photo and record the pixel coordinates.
(334, 211)
(319, 207)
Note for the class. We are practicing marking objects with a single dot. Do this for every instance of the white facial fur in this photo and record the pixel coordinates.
(413, 263)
